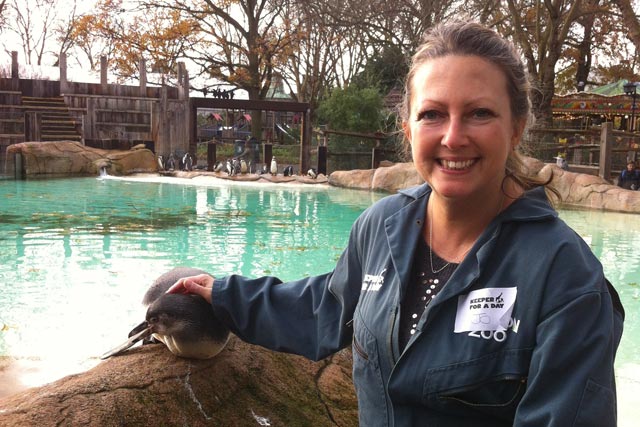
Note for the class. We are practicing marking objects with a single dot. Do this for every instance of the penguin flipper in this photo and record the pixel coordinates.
(134, 337)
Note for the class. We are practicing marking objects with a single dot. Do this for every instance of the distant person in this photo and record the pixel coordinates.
(629, 178)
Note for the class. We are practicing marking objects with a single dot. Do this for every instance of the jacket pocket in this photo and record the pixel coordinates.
(498, 397)
(597, 406)
(367, 377)
(490, 385)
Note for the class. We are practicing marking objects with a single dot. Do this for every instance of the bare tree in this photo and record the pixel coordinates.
(630, 20)
(3, 9)
(32, 22)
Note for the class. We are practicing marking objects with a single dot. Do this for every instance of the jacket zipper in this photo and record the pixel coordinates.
(359, 349)
(392, 322)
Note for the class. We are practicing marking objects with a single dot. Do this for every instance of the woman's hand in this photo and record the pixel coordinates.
(198, 285)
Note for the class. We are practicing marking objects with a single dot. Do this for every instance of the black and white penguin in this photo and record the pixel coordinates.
(160, 162)
(229, 167)
(218, 167)
(187, 162)
(184, 323)
(274, 166)
(244, 168)
(235, 164)
(312, 173)
(288, 171)
(263, 170)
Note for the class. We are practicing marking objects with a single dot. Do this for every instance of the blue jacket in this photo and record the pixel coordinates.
(627, 179)
(550, 365)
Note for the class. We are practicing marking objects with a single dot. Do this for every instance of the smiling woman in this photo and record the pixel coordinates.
(480, 230)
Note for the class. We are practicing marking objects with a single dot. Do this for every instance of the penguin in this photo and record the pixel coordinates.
(235, 164)
(274, 166)
(263, 170)
(288, 171)
(243, 166)
(185, 324)
(160, 162)
(312, 173)
(218, 167)
(229, 167)
(187, 162)
(171, 163)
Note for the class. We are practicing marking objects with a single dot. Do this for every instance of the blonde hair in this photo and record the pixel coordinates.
(460, 37)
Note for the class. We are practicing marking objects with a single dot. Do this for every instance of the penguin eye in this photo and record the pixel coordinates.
(153, 319)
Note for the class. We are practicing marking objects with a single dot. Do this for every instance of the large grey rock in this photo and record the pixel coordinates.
(70, 158)
(243, 386)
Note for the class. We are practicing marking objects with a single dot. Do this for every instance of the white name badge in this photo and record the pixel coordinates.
(486, 309)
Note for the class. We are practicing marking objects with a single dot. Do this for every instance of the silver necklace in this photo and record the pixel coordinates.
(436, 271)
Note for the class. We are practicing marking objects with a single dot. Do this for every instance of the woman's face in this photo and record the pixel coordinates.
(460, 126)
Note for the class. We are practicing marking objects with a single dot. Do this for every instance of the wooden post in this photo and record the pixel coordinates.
(32, 126)
(267, 154)
(606, 144)
(211, 155)
(89, 120)
(376, 156)
(164, 129)
(305, 141)
(103, 74)
(15, 70)
(322, 160)
(143, 77)
(62, 65)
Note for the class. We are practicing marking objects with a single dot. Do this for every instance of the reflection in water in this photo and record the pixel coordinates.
(78, 254)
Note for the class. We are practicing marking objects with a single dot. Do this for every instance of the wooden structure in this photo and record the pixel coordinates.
(113, 116)
(262, 106)
(599, 150)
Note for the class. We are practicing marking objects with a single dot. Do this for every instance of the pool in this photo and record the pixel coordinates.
(78, 254)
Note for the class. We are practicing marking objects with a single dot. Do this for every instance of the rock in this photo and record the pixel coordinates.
(396, 177)
(70, 158)
(576, 189)
(389, 178)
(358, 178)
(148, 386)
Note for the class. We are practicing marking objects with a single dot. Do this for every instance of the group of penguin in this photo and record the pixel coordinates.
(184, 163)
(237, 166)
(232, 167)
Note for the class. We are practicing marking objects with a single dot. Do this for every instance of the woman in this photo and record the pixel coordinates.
(467, 301)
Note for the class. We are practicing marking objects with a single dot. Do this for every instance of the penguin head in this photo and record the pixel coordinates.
(184, 317)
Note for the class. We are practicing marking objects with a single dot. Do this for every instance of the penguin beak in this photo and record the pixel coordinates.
(145, 332)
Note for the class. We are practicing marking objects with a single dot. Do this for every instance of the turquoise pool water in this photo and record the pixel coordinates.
(76, 255)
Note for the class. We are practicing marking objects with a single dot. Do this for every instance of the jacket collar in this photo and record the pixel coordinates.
(403, 230)
(533, 205)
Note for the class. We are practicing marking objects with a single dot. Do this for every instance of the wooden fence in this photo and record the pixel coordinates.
(599, 150)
